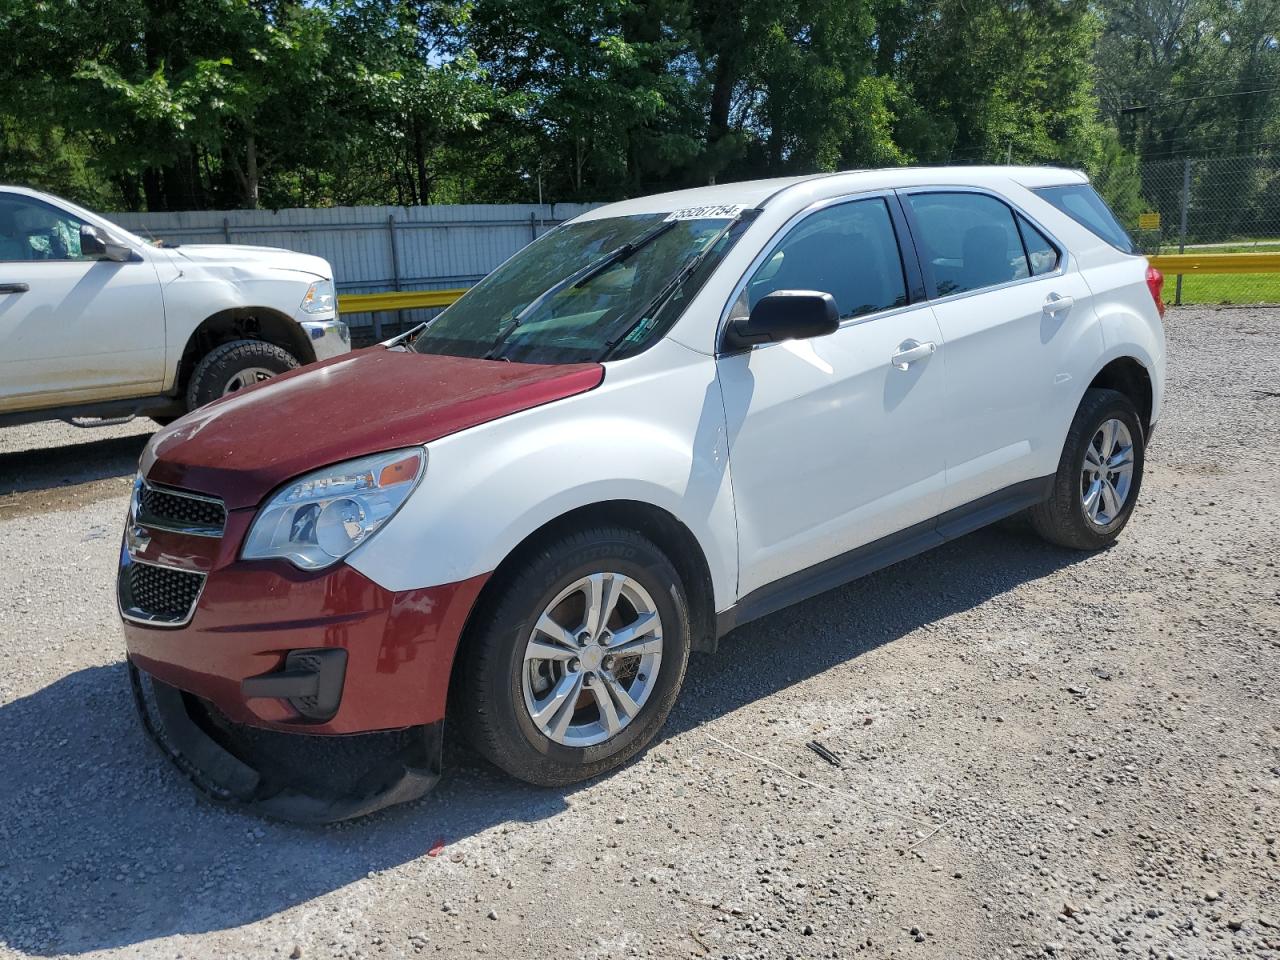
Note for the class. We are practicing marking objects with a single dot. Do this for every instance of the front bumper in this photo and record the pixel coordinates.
(292, 777)
(329, 338)
(251, 615)
(310, 696)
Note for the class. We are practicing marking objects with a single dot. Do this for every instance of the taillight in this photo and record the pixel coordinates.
(1155, 283)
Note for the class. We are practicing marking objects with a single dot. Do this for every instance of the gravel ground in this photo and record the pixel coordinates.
(1042, 753)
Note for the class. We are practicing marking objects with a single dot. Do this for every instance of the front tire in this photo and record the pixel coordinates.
(575, 665)
(1099, 475)
(234, 366)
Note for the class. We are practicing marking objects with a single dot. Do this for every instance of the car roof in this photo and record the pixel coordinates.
(757, 193)
(28, 191)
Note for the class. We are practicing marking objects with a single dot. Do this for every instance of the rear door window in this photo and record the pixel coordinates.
(967, 241)
(1081, 203)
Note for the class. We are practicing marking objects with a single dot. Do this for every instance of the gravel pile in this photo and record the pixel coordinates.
(1036, 753)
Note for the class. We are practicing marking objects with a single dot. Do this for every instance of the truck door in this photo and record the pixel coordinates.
(73, 329)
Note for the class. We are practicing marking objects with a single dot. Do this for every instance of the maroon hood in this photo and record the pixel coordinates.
(242, 447)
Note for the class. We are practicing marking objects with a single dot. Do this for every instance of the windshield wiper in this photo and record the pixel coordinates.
(585, 275)
(683, 274)
(409, 334)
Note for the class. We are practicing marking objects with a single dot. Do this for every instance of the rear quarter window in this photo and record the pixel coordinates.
(1081, 203)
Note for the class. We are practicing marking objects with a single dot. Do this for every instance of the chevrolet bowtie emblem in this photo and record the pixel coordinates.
(136, 539)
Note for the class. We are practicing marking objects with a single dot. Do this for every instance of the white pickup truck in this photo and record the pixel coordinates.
(97, 323)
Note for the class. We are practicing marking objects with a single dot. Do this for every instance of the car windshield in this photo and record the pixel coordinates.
(583, 291)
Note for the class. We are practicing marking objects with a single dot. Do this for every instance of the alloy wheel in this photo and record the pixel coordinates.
(591, 661)
(1107, 475)
(246, 378)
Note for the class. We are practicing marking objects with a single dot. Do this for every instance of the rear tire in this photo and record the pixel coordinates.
(1099, 475)
(236, 365)
(515, 668)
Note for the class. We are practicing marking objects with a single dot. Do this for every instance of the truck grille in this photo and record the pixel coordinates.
(175, 510)
(160, 595)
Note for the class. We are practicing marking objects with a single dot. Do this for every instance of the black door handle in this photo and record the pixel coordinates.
(14, 287)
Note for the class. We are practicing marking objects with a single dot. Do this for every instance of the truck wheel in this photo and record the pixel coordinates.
(234, 366)
(575, 665)
(1099, 475)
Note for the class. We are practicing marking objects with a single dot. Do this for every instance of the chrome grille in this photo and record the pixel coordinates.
(176, 510)
(153, 593)
(163, 593)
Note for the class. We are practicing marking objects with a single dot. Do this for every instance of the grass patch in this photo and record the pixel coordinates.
(1208, 288)
(1243, 246)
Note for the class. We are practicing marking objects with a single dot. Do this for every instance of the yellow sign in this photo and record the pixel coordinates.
(1148, 221)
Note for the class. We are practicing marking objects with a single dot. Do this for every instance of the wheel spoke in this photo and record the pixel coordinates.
(626, 704)
(1092, 498)
(1122, 457)
(602, 591)
(553, 714)
(608, 709)
(637, 637)
(549, 628)
(1108, 433)
(1091, 456)
(537, 650)
(1110, 500)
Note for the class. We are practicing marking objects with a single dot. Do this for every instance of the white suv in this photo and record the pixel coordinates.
(96, 322)
(664, 418)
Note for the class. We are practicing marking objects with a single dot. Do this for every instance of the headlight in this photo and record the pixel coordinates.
(321, 517)
(319, 298)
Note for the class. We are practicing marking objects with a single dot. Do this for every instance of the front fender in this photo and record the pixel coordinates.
(194, 292)
(653, 432)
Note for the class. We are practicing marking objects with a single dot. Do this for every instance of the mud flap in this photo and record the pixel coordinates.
(298, 777)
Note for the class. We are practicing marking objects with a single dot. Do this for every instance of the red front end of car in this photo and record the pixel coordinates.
(308, 694)
(225, 651)
(248, 616)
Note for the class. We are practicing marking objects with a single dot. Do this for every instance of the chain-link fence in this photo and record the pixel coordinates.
(1212, 205)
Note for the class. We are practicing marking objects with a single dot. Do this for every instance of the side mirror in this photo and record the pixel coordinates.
(784, 315)
(95, 244)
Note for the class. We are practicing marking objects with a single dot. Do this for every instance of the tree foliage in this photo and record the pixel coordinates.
(1180, 77)
(173, 104)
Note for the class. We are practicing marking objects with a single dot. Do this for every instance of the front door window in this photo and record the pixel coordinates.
(33, 230)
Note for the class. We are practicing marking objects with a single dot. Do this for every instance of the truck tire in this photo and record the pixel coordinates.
(234, 366)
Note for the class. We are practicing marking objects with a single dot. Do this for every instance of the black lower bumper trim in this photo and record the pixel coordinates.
(311, 681)
(299, 777)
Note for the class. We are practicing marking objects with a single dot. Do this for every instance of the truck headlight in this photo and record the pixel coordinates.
(319, 298)
(322, 516)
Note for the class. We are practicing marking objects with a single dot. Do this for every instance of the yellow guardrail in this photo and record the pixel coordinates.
(1172, 264)
(396, 300)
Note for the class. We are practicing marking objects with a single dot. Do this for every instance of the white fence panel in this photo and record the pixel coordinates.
(435, 247)
(374, 249)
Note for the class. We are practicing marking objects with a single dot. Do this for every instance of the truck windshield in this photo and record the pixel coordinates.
(582, 291)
